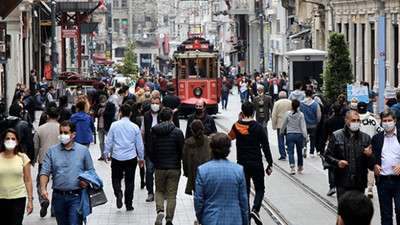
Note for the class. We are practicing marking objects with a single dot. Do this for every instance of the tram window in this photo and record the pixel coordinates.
(202, 67)
(192, 67)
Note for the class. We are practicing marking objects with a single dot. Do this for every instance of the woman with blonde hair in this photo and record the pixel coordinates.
(15, 179)
(196, 151)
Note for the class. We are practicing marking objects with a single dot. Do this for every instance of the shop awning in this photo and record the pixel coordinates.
(300, 34)
(6, 7)
(233, 51)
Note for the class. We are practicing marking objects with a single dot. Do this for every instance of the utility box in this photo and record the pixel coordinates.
(306, 63)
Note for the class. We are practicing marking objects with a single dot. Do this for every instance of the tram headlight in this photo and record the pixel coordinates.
(197, 92)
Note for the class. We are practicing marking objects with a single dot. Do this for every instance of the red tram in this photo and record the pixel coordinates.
(197, 75)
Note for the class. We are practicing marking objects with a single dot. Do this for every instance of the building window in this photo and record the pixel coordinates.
(124, 3)
(116, 25)
(278, 26)
(116, 3)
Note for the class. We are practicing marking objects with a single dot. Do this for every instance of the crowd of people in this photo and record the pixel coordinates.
(142, 129)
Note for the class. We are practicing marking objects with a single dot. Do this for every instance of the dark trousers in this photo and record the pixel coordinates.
(12, 211)
(389, 191)
(149, 175)
(118, 169)
(341, 190)
(255, 171)
(66, 209)
(331, 178)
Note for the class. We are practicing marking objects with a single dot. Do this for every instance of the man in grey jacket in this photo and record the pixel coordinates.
(312, 115)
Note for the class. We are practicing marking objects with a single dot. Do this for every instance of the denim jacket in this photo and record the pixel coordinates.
(95, 182)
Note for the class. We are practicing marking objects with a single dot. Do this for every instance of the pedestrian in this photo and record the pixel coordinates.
(297, 93)
(296, 133)
(67, 188)
(32, 81)
(24, 129)
(165, 152)
(349, 153)
(332, 124)
(29, 102)
(196, 151)
(244, 91)
(372, 97)
(15, 176)
(274, 89)
(262, 107)
(39, 98)
(51, 94)
(125, 139)
(105, 112)
(385, 148)
(312, 115)
(314, 84)
(150, 119)
(173, 102)
(225, 90)
(46, 136)
(114, 99)
(370, 126)
(19, 92)
(278, 113)
(84, 125)
(64, 111)
(220, 196)
(202, 115)
(163, 86)
(43, 116)
(251, 141)
(355, 208)
(341, 100)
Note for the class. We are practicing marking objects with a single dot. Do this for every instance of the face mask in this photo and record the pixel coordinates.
(79, 92)
(103, 104)
(155, 107)
(354, 126)
(147, 93)
(274, 82)
(10, 144)
(64, 138)
(53, 92)
(353, 105)
(199, 111)
(388, 126)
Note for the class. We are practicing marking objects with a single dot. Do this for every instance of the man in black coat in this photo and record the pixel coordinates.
(201, 114)
(105, 112)
(165, 152)
(173, 102)
(29, 102)
(64, 111)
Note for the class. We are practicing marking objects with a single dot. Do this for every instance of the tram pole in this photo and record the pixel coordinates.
(261, 18)
(53, 41)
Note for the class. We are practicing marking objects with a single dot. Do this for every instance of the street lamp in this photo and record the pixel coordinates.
(53, 40)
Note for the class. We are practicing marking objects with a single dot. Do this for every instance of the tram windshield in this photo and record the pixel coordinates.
(201, 68)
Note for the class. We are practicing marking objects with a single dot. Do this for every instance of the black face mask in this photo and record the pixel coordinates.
(199, 111)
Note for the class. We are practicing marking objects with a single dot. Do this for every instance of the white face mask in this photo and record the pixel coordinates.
(103, 104)
(353, 105)
(354, 126)
(147, 93)
(388, 126)
(64, 138)
(155, 107)
(10, 144)
(79, 92)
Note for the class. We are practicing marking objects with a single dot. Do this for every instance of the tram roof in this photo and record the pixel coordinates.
(195, 54)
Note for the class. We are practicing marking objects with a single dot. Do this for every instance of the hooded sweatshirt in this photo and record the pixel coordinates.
(311, 111)
(165, 146)
(297, 94)
(250, 138)
(294, 123)
(84, 127)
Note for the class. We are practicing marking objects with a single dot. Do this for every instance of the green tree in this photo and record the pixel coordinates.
(338, 68)
(129, 67)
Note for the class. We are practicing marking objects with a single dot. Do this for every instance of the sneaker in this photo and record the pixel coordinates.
(304, 152)
(370, 193)
(43, 210)
(129, 208)
(292, 171)
(282, 158)
(101, 158)
(169, 223)
(300, 170)
(119, 201)
(331, 191)
(196, 222)
(150, 198)
(256, 217)
(159, 218)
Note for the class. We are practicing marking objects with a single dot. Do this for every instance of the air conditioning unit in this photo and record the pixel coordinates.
(174, 34)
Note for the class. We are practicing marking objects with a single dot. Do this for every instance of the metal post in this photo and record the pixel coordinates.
(53, 40)
(261, 18)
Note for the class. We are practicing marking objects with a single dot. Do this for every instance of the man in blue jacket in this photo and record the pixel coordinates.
(84, 125)
(312, 115)
(220, 196)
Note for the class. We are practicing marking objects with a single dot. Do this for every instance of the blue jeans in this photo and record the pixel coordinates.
(102, 133)
(331, 178)
(389, 191)
(65, 207)
(149, 175)
(291, 140)
(281, 144)
(244, 96)
(312, 132)
(224, 100)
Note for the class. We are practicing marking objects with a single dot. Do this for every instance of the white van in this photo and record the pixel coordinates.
(119, 78)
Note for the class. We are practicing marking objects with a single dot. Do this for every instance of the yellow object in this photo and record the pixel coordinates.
(12, 184)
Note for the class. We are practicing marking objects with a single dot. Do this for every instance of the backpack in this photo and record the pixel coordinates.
(225, 89)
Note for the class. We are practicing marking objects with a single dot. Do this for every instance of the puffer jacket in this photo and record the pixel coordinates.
(165, 146)
(353, 176)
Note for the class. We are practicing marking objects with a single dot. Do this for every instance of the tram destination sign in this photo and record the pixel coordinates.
(196, 45)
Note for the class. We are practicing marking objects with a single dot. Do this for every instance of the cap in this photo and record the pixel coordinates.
(362, 107)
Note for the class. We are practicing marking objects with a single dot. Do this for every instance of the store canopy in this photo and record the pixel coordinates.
(300, 34)
(7, 6)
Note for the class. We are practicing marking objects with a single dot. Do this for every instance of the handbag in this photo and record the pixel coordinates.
(325, 165)
(97, 197)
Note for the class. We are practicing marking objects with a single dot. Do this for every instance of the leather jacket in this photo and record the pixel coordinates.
(343, 147)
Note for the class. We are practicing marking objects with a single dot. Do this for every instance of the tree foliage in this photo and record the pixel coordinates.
(129, 67)
(338, 67)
